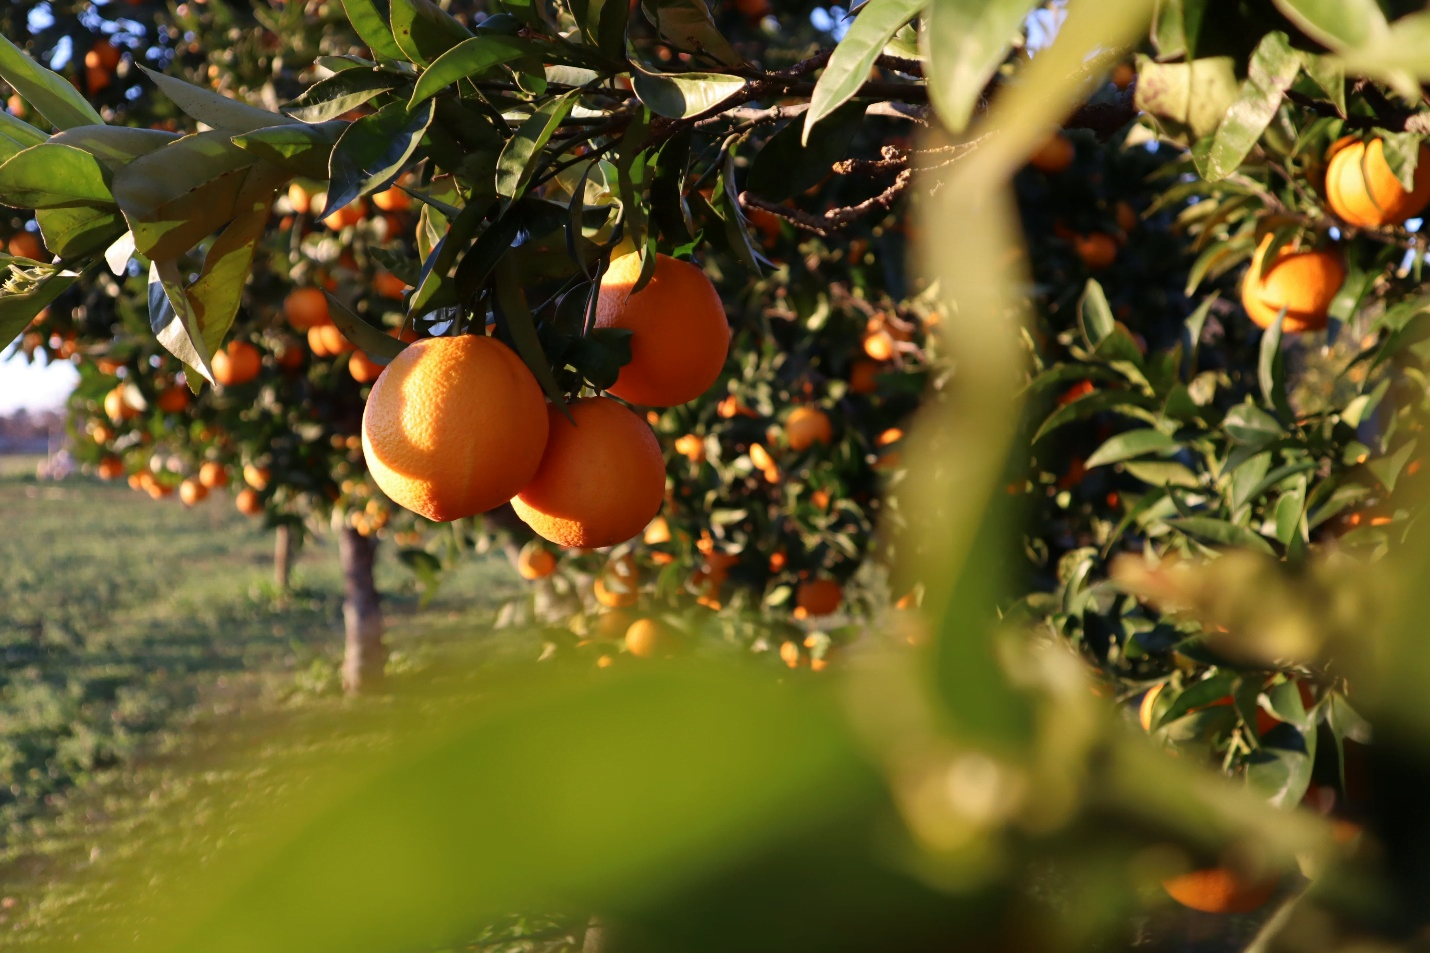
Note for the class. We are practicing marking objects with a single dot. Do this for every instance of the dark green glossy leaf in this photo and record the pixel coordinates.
(330, 98)
(1273, 67)
(372, 151)
(848, 68)
(787, 166)
(220, 112)
(726, 204)
(1251, 426)
(471, 57)
(600, 355)
(515, 321)
(172, 319)
(523, 151)
(115, 146)
(1328, 74)
(1094, 315)
(51, 95)
(1133, 443)
(688, 26)
(1280, 771)
(1177, 27)
(682, 95)
(370, 21)
(424, 31)
(1124, 402)
(54, 176)
(376, 343)
(216, 293)
(81, 231)
(1271, 371)
(303, 150)
(967, 42)
(1161, 473)
(176, 196)
(1217, 532)
(1199, 694)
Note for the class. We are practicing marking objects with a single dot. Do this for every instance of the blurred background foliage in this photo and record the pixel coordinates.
(1118, 500)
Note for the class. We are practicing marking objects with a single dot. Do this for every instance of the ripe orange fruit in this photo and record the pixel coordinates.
(388, 285)
(213, 475)
(1302, 282)
(1054, 155)
(326, 340)
(191, 491)
(1218, 890)
(349, 214)
(248, 502)
(256, 476)
(647, 638)
(613, 597)
(657, 532)
(174, 400)
(1122, 75)
(392, 200)
(862, 377)
(691, 447)
(306, 308)
(300, 198)
(1096, 250)
(26, 245)
(879, 345)
(807, 426)
(679, 332)
(117, 406)
(455, 426)
(157, 490)
(1362, 190)
(101, 434)
(1127, 217)
(110, 468)
(102, 56)
(535, 562)
(363, 368)
(288, 354)
(601, 479)
(238, 363)
(818, 596)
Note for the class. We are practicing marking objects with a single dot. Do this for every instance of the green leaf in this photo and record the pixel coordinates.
(471, 57)
(371, 25)
(726, 205)
(1124, 402)
(1199, 694)
(81, 231)
(1271, 371)
(330, 98)
(477, 264)
(173, 321)
(1162, 473)
(220, 112)
(114, 146)
(424, 31)
(1189, 99)
(688, 26)
(372, 150)
(18, 309)
(514, 318)
(1391, 54)
(304, 150)
(1290, 516)
(1272, 69)
(1328, 74)
(1402, 153)
(787, 165)
(51, 94)
(16, 134)
(600, 355)
(1217, 532)
(967, 42)
(682, 95)
(1094, 315)
(1280, 770)
(848, 68)
(376, 343)
(1388, 469)
(54, 176)
(176, 196)
(1177, 27)
(1336, 24)
(1133, 443)
(522, 153)
(215, 295)
(1251, 426)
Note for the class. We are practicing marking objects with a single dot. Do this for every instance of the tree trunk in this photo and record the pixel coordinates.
(282, 557)
(363, 654)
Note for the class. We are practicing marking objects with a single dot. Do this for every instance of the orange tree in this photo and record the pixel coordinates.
(561, 157)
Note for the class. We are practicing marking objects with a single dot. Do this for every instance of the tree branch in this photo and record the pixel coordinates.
(836, 219)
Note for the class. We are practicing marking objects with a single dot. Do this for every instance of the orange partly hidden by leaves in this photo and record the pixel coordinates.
(1362, 189)
(601, 479)
(349, 214)
(26, 245)
(680, 335)
(110, 468)
(238, 363)
(535, 562)
(1303, 282)
(306, 308)
(807, 426)
(388, 285)
(455, 427)
(1096, 250)
(1218, 890)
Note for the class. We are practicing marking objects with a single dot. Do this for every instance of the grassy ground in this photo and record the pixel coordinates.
(131, 632)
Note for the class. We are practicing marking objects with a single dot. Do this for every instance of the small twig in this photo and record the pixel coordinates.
(836, 219)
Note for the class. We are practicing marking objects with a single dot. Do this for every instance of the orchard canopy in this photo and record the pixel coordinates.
(978, 353)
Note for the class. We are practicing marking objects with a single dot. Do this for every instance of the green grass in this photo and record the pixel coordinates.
(146, 657)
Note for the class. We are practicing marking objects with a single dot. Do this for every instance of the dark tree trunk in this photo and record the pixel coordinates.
(282, 557)
(363, 655)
